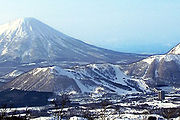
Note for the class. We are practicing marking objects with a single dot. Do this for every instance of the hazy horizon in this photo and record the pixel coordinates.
(139, 26)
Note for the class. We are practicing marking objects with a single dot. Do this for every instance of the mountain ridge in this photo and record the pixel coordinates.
(81, 79)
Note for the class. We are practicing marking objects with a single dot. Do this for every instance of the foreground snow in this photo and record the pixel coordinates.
(115, 117)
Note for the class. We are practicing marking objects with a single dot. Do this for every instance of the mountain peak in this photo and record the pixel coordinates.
(28, 18)
(25, 20)
(27, 37)
(27, 26)
(20, 21)
(175, 50)
(19, 26)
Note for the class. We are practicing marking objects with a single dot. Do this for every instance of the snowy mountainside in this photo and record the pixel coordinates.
(175, 50)
(28, 40)
(79, 78)
(157, 70)
(10, 76)
(13, 74)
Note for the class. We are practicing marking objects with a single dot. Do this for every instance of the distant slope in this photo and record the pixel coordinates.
(175, 50)
(80, 79)
(158, 69)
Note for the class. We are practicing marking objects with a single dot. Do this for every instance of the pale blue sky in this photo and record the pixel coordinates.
(139, 26)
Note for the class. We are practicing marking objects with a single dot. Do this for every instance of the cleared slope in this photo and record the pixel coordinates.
(80, 79)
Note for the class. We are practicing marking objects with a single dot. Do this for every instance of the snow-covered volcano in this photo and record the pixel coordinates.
(29, 40)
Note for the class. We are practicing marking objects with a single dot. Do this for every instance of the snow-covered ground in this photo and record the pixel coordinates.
(114, 117)
(131, 107)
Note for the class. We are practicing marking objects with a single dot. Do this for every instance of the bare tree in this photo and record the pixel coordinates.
(103, 106)
(89, 114)
(27, 112)
(60, 103)
(3, 111)
(118, 110)
(169, 113)
(5, 116)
